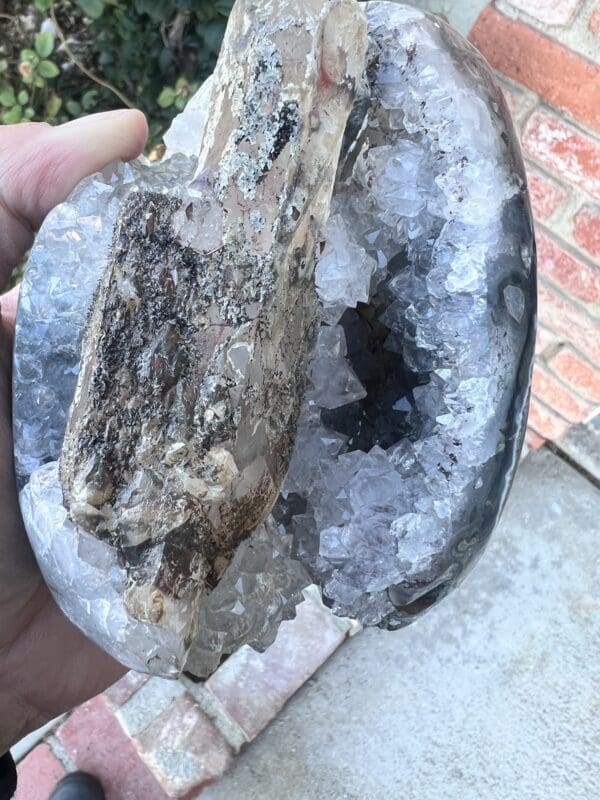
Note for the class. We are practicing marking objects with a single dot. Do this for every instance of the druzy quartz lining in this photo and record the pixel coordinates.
(414, 396)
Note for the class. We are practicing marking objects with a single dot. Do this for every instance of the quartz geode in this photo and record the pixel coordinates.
(333, 264)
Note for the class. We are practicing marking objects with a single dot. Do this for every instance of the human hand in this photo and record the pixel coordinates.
(46, 665)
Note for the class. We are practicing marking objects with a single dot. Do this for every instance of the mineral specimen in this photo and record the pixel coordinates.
(168, 314)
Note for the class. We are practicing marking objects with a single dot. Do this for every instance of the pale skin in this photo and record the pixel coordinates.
(46, 665)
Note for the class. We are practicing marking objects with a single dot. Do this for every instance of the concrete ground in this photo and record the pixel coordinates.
(494, 694)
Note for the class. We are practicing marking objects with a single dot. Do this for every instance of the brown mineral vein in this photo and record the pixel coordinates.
(193, 358)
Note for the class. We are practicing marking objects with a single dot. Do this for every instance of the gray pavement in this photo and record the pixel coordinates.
(494, 694)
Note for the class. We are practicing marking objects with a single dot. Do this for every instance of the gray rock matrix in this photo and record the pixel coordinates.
(416, 392)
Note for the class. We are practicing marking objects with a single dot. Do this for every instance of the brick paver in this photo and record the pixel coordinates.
(183, 749)
(38, 773)
(122, 690)
(253, 687)
(96, 743)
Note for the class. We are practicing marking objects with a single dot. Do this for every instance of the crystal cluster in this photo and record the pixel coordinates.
(416, 391)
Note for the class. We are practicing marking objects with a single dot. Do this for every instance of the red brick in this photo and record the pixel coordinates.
(552, 12)
(38, 773)
(555, 395)
(563, 149)
(533, 441)
(586, 229)
(571, 274)
(184, 750)
(96, 743)
(563, 317)
(563, 78)
(253, 687)
(577, 373)
(594, 23)
(544, 422)
(546, 195)
(544, 341)
(120, 692)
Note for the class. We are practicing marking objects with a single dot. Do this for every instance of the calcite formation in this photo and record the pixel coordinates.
(187, 328)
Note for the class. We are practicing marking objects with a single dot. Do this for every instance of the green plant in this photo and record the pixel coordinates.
(157, 52)
(151, 54)
(29, 93)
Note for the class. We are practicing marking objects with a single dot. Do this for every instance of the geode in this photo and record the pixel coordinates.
(296, 351)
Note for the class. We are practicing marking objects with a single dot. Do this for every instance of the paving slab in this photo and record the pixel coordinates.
(582, 445)
(491, 696)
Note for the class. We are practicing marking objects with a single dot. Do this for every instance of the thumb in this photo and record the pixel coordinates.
(41, 165)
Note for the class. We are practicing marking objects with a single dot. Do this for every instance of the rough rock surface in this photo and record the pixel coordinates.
(195, 351)
(415, 395)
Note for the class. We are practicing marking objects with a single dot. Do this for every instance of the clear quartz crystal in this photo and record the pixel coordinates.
(416, 392)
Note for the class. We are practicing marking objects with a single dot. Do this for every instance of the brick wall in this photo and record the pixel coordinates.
(547, 53)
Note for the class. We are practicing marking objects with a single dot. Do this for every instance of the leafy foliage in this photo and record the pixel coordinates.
(152, 53)
(30, 94)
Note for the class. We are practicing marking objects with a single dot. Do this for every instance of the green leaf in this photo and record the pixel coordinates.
(13, 116)
(53, 105)
(74, 108)
(48, 69)
(166, 98)
(44, 44)
(89, 99)
(23, 97)
(29, 113)
(29, 55)
(93, 8)
(42, 5)
(7, 98)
